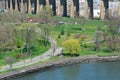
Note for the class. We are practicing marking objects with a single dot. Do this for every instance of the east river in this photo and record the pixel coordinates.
(87, 71)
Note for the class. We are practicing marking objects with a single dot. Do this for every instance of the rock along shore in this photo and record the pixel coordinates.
(57, 63)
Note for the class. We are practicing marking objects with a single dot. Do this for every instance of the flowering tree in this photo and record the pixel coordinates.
(10, 61)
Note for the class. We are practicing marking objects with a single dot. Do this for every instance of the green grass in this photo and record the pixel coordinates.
(90, 27)
(30, 15)
(98, 53)
(39, 50)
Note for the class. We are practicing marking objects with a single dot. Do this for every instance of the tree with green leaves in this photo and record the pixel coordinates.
(47, 24)
(26, 34)
(6, 38)
(71, 46)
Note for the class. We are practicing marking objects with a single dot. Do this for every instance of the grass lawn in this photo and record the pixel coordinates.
(82, 27)
(39, 50)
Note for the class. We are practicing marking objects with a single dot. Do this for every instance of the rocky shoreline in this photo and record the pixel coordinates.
(57, 63)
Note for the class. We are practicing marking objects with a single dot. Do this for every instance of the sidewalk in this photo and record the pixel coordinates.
(53, 51)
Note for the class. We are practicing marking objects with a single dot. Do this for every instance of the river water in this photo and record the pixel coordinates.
(88, 71)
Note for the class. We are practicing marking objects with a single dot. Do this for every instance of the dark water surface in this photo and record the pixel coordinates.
(88, 71)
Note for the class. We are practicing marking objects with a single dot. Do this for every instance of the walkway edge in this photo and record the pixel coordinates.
(36, 59)
(57, 63)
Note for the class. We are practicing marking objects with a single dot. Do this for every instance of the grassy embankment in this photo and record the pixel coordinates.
(73, 27)
(82, 27)
(38, 49)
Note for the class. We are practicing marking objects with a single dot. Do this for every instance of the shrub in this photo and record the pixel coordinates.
(62, 32)
(17, 56)
(59, 36)
(68, 34)
(83, 37)
(107, 50)
(77, 36)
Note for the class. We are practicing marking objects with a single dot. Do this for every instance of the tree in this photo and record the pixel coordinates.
(82, 41)
(83, 22)
(24, 55)
(6, 38)
(47, 23)
(71, 46)
(62, 31)
(46, 30)
(97, 37)
(12, 16)
(26, 31)
(17, 56)
(45, 15)
(8, 21)
(97, 40)
(113, 40)
(110, 36)
(10, 61)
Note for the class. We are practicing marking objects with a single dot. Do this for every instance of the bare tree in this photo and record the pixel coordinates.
(12, 17)
(24, 55)
(45, 15)
(113, 40)
(97, 41)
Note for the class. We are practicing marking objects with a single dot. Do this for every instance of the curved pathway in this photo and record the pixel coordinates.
(53, 51)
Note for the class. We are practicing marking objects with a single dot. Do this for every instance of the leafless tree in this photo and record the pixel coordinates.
(113, 40)
(97, 41)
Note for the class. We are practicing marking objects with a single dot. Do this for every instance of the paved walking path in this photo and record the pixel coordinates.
(53, 51)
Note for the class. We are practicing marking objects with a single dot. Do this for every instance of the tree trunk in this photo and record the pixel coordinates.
(16, 5)
(29, 6)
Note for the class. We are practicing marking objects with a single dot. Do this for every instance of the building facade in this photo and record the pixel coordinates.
(2, 3)
(72, 8)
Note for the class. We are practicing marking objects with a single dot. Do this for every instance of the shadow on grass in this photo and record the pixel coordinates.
(76, 29)
(70, 55)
